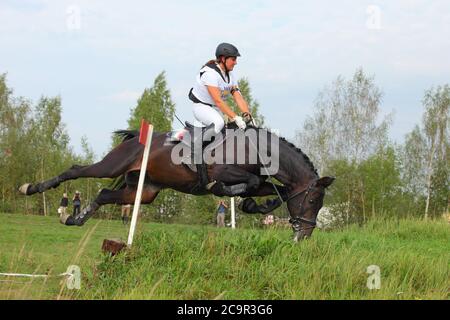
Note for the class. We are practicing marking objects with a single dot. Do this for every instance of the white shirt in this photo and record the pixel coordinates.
(210, 77)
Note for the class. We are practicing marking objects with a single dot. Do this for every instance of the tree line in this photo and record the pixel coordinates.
(346, 138)
(343, 136)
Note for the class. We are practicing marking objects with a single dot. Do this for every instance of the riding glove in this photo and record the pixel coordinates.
(240, 122)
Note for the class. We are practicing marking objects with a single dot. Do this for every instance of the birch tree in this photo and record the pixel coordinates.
(436, 123)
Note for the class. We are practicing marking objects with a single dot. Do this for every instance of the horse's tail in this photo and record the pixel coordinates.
(119, 182)
(126, 134)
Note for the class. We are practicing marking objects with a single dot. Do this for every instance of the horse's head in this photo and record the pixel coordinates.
(304, 204)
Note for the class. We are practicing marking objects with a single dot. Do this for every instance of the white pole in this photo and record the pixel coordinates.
(233, 214)
(137, 201)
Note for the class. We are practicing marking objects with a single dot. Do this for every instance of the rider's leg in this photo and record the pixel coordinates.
(213, 123)
(208, 115)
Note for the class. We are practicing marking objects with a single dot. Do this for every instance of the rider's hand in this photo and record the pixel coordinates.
(240, 122)
(247, 117)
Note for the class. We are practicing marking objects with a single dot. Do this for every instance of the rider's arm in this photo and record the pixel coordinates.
(216, 96)
(241, 103)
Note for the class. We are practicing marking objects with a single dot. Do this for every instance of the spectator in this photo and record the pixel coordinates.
(268, 220)
(221, 209)
(126, 208)
(76, 203)
(62, 210)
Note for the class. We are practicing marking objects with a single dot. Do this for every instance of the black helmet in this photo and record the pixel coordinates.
(227, 50)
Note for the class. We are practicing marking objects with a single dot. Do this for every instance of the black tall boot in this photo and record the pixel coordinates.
(207, 133)
(199, 143)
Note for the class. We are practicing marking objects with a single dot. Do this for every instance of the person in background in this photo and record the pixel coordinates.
(62, 210)
(126, 208)
(269, 220)
(76, 203)
(221, 209)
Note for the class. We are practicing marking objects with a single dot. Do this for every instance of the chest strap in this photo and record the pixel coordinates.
(194, 99)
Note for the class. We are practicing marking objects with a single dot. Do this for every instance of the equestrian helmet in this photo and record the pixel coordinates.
(227, 50)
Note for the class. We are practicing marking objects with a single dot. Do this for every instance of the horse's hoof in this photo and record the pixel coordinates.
(299, 236)
(24, 188)
(67, 220)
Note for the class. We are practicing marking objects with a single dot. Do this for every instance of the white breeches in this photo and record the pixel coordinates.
(205, 115)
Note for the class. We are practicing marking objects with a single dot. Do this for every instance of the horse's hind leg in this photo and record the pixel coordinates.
(114, 164)
(106, 196)
(72, 173)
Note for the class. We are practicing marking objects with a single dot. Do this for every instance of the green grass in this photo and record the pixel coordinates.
(41, 245)
(193, 262)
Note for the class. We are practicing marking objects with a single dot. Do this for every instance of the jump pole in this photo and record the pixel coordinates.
(146, 139)
(233, 214)
(114, 246)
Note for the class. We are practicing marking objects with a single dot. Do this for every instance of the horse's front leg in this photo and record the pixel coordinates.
(231, 180)
(266, 189)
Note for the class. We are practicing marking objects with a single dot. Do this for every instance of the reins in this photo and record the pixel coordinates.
(295, 221)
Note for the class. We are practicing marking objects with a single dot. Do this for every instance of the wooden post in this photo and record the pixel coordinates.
(233, 214)
(137, 201)
(43, 193)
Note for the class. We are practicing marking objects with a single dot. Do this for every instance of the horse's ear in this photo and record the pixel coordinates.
(325, 181)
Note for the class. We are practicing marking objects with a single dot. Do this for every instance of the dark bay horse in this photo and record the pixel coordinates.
(301, 188)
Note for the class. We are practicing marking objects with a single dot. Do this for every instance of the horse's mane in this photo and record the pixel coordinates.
(299, 151)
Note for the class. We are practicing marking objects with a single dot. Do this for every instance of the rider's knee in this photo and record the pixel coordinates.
(219, 123)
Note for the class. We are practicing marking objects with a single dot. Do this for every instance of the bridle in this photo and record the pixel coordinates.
(296, 221)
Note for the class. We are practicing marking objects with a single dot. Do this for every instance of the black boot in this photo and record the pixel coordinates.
(206, 134)
(197, 156)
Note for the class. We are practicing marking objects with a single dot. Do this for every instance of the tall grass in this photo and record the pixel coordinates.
(194, 262)
(185, 262)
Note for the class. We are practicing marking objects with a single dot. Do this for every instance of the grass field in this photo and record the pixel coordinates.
(192, 262)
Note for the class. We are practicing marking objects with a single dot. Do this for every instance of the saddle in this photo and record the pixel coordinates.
(179, 136)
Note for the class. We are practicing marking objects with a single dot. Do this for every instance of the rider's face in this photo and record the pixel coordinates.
(230, 62)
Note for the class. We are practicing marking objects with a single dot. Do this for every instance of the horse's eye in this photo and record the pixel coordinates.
(311, 201)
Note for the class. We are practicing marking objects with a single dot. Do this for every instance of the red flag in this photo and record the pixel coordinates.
(143, 132)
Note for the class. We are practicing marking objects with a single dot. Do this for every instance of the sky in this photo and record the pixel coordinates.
(99, 56)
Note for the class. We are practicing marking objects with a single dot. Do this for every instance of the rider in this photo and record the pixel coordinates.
(213, 84)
